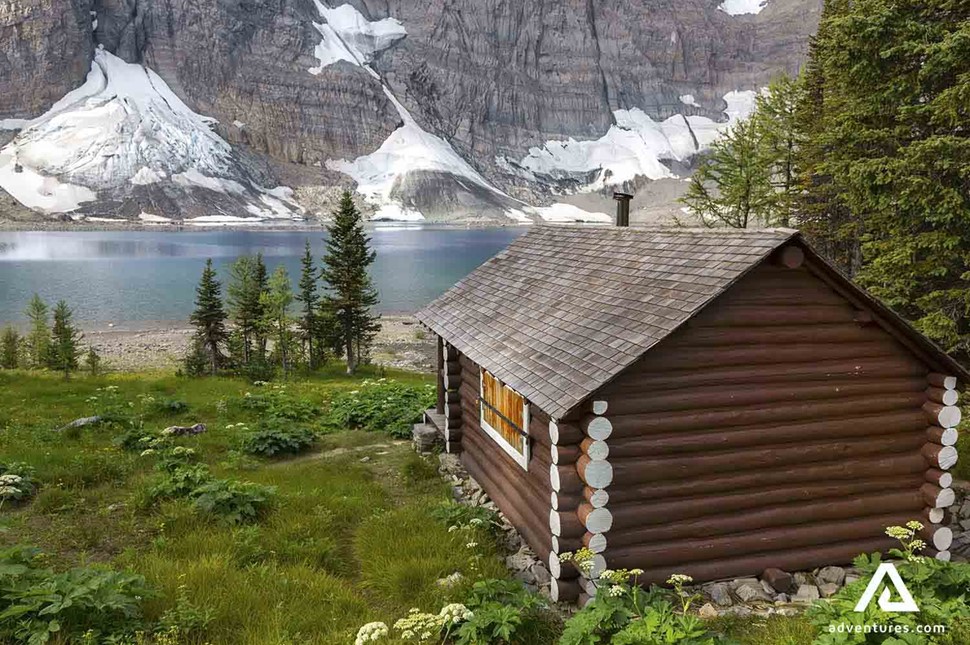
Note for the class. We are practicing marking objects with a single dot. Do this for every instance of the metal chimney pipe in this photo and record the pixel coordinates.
(622, 208)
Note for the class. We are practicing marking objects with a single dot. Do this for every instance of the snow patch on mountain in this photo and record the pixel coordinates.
(741, 7)
(122, 129)
(347, 35)
(636, 145)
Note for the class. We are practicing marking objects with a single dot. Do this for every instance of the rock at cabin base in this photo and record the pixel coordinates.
(707, 611)
(425, 437)
(721, 594)
(780, 581)
(806, 594)
(833, 575)
(751, 592)
(828, 589)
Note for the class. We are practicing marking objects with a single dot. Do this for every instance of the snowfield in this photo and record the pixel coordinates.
(635, 146)
(347, 35)
(123, 128)
(741, 7)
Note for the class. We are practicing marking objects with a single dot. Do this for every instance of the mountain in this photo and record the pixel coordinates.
(443, 109)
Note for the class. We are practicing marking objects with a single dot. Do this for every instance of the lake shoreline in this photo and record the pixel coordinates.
(136, 346)
(15, 226)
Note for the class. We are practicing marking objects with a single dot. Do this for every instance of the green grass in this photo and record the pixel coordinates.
(349, 540)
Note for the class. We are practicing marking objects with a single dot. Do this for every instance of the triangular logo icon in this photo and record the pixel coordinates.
(907, 604)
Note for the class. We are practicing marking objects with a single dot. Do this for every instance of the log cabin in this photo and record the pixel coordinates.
(707, 402)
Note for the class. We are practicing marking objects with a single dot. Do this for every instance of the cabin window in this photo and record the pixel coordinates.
(505, 418)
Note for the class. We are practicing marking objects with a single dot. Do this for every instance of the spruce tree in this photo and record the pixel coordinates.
(732, 185)
(38, 339)
(894, 132)
(10, 349)
(243, 295)
(92, 361)
(276, 301)
(209, 318)
(309, 300)
(350, 292)
(262, 285)
(65, 346)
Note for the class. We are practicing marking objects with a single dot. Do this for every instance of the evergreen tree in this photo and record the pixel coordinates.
(834, 230)
(92, 361)
(350, 292)
(262, 286)
(65, 349)
(892, 81)
(10, 349)
(38, 339)
(243, 295)
(209, 319)
(775, 124)
(732, 185)
(309, 300)
(276, 301)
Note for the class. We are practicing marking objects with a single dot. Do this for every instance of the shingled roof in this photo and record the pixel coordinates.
(563, 310)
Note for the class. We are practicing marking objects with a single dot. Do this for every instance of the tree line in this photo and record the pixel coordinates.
(52, 341)
(255, 331)
(867, 152)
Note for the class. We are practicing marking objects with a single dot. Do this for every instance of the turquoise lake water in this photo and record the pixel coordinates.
(130, 276)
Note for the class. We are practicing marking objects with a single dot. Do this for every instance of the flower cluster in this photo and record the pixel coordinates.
(10, 486)
(424, 627)
(584, 559)
(907, 538)
(420, 626)
(371, 632)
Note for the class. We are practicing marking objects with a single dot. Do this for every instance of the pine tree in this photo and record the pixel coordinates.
(310, 302)
(350, 292)
(10, 349)
(732, 185)
(209, 318)
(65, 349)
(276, 301)
(38, 339)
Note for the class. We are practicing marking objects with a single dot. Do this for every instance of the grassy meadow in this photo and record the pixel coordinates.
(348, 539)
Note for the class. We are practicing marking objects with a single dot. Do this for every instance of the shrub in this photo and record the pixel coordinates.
(167, 407)
(276, 404)
(233, 502)
(37, 604)
(16, 482)
(226, 500)
(456, 516)
(939, 589)
(625, 614)
(504, 611)
(274, 437)
(384, 405)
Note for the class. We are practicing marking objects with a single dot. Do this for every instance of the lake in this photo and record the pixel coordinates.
(130, 276)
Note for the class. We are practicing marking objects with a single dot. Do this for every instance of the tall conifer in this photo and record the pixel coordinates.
(350, 293)
(65, 346)
(39, 336)
(309, 299)
(209, 318)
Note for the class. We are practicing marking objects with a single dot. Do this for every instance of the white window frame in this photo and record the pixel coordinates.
(521, 458)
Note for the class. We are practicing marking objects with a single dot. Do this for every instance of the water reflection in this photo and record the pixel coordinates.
(148, 275)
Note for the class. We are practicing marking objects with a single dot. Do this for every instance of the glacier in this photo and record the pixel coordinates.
(122, 131)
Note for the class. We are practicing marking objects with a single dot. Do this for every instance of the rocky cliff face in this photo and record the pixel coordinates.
(434, 109)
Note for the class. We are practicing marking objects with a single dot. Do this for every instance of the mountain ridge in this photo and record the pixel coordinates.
(305, 91)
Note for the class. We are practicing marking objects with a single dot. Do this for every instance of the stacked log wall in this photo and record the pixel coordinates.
(525, 495)
(782, 427)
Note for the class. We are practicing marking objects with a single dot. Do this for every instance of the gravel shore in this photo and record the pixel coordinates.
(159, 345)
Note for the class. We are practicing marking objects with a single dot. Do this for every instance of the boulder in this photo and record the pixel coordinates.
(720, 593)
(707, 611)
(806, 594)
(828, 589)
(425, 437)
(780, 581)
(832, 575)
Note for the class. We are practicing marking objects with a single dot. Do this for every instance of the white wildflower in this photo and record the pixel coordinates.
(371, 632)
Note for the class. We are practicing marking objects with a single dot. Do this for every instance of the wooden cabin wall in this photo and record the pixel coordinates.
(780, 428)
(522, 495)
